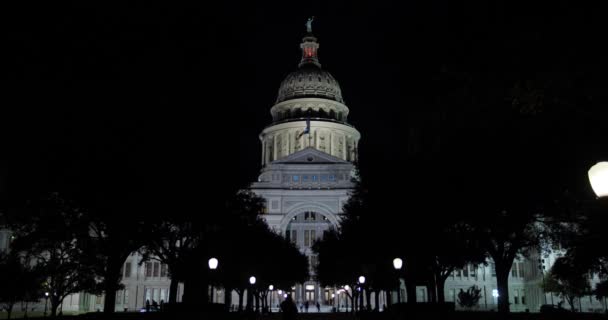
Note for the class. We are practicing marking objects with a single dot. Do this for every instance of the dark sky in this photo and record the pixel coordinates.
(176, 94)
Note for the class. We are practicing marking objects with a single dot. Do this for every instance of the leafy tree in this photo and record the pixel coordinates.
(469, 298)
(567, 280)
(20, 280)
(54, 234)
(601, 290)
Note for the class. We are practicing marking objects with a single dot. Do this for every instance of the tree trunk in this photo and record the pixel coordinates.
(502, 282)
(249, 299)
(241, 293)
(54, 305)
(440, 288)
(368, 297)
(173, 290)
(228, 298)
(257, 303)
(389, 298)
(110, 299)
(410, 287)
(9, 310)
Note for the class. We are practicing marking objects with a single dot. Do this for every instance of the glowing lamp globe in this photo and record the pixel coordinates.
(252, 280)
(598, 177)
(361, 279)
(397, 263)
(213, 262)
(270, 287)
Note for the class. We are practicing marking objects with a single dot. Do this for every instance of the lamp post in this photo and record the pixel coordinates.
(361, 283)
(252, 281)
(46, 301)
(270, 288)
(213, 263)
(397, 264)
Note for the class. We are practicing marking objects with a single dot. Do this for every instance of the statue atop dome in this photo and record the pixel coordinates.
(309, 24)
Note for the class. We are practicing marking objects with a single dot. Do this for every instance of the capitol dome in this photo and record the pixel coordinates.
(310, 91)
(309, 81)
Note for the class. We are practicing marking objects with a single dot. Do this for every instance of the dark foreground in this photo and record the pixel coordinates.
(341, 316)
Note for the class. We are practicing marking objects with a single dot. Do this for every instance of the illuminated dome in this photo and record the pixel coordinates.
(309, 81)
(310, 91)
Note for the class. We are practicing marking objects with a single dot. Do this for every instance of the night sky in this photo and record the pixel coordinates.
(174, 96)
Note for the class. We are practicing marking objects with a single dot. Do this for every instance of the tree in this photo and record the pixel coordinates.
(567, 280)
(53, 233)
(469, 298)
(601, 290)
(20, 280)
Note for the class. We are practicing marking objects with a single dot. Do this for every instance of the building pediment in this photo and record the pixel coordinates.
(310, 155)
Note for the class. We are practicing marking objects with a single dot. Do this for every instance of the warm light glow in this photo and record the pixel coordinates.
(280, 291)
(213, 262)
(270, 287)
(346, 287)
(46, 294)
(333, 295)
(310, 287)
(361, 279)
(285, 295)
(397, 263)
(495, 293)
(598, 177)
(252, 280)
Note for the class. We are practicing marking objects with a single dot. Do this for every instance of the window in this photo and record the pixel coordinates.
(295, 178)
(313, 236)
(156, 269)
(515, 296)
(514, 270)
(128, 270)
(521, 270)
(313, 261)
(523, 296)
(314, 178)
(465, 271)
(473, 272)
(313, 216)
(493, 269)
(294, 236)
(323, 177)
(304, 178)
(332, 177)
(118, 299)
(458, 272)
(163, 270)
(126, 299)
(148, 269)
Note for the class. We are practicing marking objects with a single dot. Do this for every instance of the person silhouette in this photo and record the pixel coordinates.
(306, 306)
(288, 308)
(318, 307)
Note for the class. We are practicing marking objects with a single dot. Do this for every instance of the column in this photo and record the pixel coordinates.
(263, 152)
(274, 149)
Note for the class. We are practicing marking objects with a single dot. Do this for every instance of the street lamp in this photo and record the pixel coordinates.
(46, 301)
(397, 264)
(598, 177)
(252, 280)
(361, 283)
(270, 287)
(213, 262)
